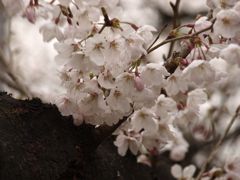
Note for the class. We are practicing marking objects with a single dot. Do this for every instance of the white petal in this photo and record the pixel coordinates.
(189, 171)
(176, 171)
(133, 146)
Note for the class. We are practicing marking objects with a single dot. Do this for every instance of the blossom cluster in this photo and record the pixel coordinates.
(107, 77)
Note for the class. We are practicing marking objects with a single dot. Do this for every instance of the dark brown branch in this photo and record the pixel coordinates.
(176, 23)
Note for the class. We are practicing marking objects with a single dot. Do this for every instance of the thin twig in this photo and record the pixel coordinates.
(217, 145)
(107, 21)
(159, 34)
(176, 23)
(179, 38)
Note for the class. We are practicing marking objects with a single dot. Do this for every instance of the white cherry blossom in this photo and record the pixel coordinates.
(153, 74)
(232, 167)
(146, 33)
(157, 140)
(186, 173)
(165, 107)
(195, 99)
(231, 54)
(123, 142)
(106, 81)
(144, 119)
(176, 83)
(227, 23)
(94, 49)
(200, 73)
(202, 23)
(118, 102)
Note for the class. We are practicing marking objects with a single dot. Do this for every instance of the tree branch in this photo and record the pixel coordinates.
(176, 23)
(190, 36)
(36, 142)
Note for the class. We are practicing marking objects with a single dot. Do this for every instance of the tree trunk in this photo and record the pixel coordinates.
(36, 142)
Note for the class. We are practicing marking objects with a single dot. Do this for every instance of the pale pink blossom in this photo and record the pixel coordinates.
(200, 73)
(123, 142)
(118, 102)
(144, 119)
(232, 167)
(94, 49)
(146, 32)
(158, 140)
(179, 146)
(186, 173)
(227, 23)
(231, 54)
(165, 107)
(195, 99)
(176, 83)
(106, 81)
(202, 23)
(153, 74)
(125, 83)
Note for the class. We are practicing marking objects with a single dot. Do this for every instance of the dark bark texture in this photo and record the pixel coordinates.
(36, 142)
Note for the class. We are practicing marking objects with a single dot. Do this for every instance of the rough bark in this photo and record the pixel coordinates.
(36, 142)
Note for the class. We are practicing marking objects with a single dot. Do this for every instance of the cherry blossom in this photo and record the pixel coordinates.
(153, 74)
(144, 119)
(227, 23)
(195, 98)
(186, 173)
(124, 141)
(233, 168)
(165, 107)
(231, 54)
(199, 72)
(176, 83)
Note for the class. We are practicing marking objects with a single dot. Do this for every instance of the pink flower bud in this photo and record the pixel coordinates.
(201, 132)
(184, 62)
(138, 83)
(30, 14)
